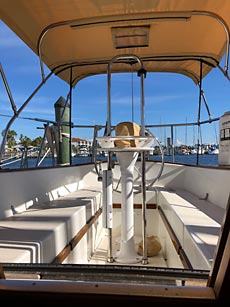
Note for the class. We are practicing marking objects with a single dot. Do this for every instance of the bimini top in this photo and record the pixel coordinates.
(186, 36)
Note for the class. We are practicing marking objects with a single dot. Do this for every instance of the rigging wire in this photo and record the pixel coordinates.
(132, 94)
(199, 109)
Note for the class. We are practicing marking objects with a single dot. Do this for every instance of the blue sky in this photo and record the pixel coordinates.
(169, 98)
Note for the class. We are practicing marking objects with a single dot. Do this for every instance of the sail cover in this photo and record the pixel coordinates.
(188, 37)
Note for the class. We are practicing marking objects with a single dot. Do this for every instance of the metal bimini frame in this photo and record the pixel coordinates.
(16, 112)
(74, 23)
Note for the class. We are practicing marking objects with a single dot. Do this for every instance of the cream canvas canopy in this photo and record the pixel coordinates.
(184, 36)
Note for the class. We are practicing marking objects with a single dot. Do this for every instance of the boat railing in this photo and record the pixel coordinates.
(96, 128)
(48, 149)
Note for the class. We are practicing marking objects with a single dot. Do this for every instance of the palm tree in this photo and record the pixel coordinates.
(37, 141)
(10, 139)
(25, 140)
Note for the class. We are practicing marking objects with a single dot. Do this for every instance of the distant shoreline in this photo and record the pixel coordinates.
(204, 160)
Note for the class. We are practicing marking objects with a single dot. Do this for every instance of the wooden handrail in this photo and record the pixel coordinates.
(76, 239)
(184, 258)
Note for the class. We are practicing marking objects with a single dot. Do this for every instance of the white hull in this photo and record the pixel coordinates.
(78, 187)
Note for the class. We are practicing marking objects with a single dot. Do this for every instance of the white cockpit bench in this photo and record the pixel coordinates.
(196, 223)
(40, 233)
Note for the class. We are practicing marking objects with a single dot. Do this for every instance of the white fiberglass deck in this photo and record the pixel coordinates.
(100, 256)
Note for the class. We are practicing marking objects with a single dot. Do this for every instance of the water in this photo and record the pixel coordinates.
(204, 160)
